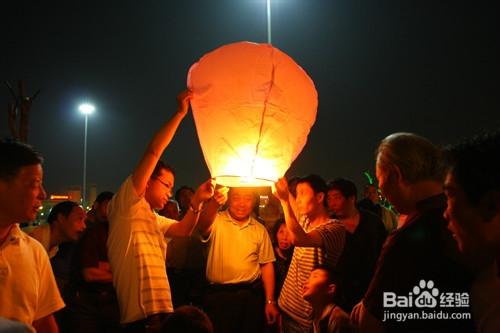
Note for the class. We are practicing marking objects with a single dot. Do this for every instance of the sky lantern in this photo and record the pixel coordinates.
(253, 107)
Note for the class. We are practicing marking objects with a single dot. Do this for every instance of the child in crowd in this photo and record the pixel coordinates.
(283, 251)
(319, 290)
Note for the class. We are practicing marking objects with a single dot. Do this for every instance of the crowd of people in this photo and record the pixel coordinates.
(206, 260)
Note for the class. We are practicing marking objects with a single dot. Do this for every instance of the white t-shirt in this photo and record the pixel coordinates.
(28, 290)
(137, 251)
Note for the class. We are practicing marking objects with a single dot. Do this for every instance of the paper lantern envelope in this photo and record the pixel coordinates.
(253, 108)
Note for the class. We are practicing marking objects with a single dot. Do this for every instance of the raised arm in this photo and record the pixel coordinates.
(186, 226)
(160, 141)
(211, 208)
(298, 236)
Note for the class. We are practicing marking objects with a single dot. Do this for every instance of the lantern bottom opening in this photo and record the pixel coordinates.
(238, 181)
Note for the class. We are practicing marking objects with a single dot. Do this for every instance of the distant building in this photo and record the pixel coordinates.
(72, 193)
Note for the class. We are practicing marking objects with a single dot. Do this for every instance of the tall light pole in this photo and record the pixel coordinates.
(269, 21)
(86, 109)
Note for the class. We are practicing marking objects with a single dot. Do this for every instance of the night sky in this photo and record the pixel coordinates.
(428, 67)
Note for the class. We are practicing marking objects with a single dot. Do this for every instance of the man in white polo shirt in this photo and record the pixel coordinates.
(28, 290)
(136, 241)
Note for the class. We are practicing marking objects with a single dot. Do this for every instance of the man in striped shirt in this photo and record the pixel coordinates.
(136, 241)
(318, 240)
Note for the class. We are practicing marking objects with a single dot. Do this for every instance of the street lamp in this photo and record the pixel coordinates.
(268, 21)
(86, 109)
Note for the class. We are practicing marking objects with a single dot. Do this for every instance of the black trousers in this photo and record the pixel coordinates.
(187, 286)
(236, 307)
(95, 312)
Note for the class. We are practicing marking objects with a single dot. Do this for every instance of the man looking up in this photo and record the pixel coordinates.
(136, 240)
(318, 240)
(319, 290)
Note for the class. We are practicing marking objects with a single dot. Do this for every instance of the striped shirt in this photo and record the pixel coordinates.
(303, 261)
(137, 252)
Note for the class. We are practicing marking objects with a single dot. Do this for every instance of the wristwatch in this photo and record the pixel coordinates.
(270, 301)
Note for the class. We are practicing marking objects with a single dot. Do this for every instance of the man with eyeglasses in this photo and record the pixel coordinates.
(136, 241)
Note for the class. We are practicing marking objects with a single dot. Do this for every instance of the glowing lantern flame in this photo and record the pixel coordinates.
(253, 108)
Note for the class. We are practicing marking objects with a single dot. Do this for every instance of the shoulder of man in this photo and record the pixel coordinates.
(124, 198)
(332, 225)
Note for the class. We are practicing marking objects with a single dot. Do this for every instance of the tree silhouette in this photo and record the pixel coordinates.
(19, 108)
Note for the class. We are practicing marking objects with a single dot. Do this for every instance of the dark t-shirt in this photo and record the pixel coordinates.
(368, 205)
(62, 266)
(423, 249)
(92, 249)
(358, 261)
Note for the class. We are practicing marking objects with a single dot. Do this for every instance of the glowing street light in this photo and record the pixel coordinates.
(86, 109)
(268, 21)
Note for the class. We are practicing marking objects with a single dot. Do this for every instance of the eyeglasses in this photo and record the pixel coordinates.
(168, 186)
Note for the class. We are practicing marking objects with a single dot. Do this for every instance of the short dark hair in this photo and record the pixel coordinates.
(160, 166)
(15, 155)
(64, 208)
(317, 183)
(187, 319)
(344, 186)
(104, 196)
(276, 227)
(333, 275)
(475, 164)
(292, 185)
(182, 188)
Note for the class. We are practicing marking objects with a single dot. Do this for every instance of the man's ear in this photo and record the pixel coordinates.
(331, 289)
(395, 171)
(59, 218)
(320, 197)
